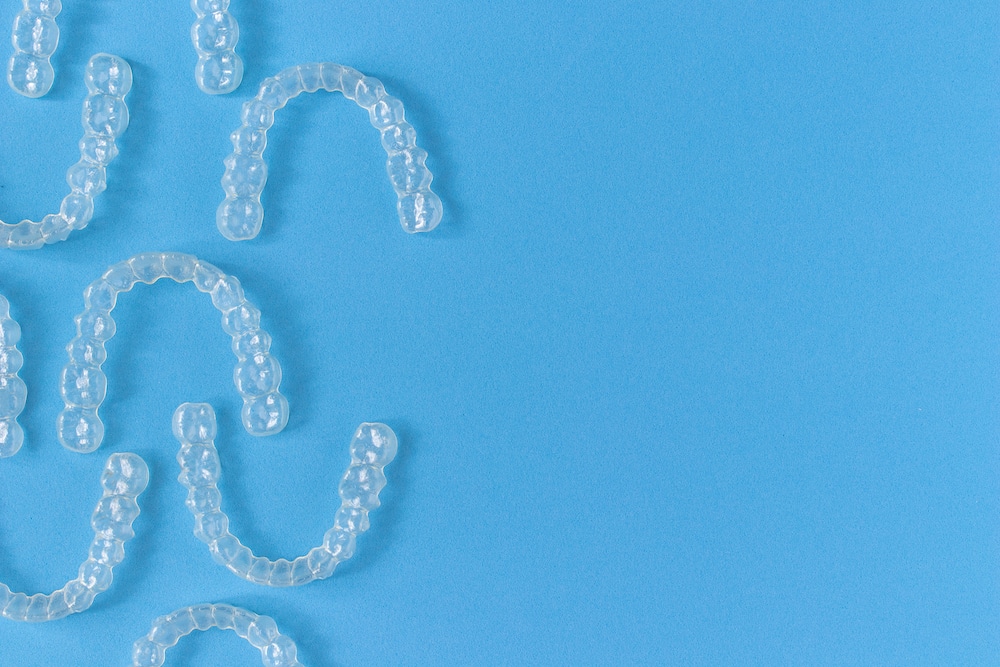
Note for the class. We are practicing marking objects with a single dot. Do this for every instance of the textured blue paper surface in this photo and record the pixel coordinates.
(700, 367)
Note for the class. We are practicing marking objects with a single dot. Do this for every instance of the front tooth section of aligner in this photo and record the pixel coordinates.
(261, 632)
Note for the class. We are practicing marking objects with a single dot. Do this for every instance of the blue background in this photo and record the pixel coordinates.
(700, 368)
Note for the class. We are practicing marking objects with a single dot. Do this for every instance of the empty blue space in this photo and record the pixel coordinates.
(700, 368)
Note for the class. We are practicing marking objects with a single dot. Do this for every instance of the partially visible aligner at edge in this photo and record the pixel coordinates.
(276, 650)
(257, 374)
(125, 476)
(35, 36)
(105, 117)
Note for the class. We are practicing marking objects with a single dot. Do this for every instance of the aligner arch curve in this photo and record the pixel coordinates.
(239, 217)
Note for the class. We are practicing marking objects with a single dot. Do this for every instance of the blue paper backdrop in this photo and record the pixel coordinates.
(700, 368)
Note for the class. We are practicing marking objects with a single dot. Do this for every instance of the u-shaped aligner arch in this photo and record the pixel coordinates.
(276, 650)
(239, 217)
(105, 117)
(35, 36)
(372, 448)
(84, 385)
(125, 476)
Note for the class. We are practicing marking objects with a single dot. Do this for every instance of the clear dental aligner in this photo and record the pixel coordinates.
(84, 385)
(13, 391)
(240, 216)
(125, 476)
(35, 36)
(276, 650)
(214, 35)
(105, 117)
(373, 447)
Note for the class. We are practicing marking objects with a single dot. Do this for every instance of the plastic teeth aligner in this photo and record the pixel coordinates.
(105, 118)
(276, 650)
(35, 36)
(84, 385)
(214, 34)
(240, 216)
(125, 476)
(372, 448)
(13, 392)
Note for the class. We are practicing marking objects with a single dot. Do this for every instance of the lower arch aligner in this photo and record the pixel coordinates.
(372, 448)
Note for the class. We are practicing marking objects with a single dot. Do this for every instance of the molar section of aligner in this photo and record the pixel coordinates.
(35, 36)
(83, 384)
(214, 34)
(194, 426)
(257, 375)
(13, 391)
(105, 118)
(419, 209)
(124, 478)
(373, 447)
(240, 215)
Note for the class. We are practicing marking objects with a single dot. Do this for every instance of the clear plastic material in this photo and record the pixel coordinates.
(214, 35)
(372, 448)
(276, 650)
(239, 217)
(125, 477)
(105, 117)
(35, 36)
(13, 391)
(84, 385)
